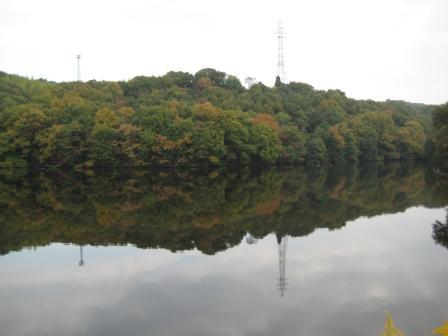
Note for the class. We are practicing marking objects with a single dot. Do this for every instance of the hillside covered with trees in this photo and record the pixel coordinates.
(441, 130)
(207, 118)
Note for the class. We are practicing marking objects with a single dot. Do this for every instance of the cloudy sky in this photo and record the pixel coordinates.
(376, 49)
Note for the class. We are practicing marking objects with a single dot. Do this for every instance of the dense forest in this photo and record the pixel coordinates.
(207, 118)
(441, 130)
(186, 209)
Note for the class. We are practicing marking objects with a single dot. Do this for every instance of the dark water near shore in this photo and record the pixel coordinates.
(269, 252)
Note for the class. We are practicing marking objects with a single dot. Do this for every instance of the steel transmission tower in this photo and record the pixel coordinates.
(281, 35)
(78, 57)
(282, 244)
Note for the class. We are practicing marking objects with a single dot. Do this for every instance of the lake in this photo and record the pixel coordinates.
(304, 251)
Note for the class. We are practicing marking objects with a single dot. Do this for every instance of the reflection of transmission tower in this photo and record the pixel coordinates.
(280, 55)
(251, 239)
(282, 244)
(81, 256)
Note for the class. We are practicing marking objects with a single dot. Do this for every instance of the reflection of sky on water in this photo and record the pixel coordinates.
(339, 283)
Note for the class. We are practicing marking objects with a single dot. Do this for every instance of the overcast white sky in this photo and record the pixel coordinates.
(374, 49)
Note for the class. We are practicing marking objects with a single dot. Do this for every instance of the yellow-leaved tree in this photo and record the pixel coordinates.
(443, 330)
(390, 329)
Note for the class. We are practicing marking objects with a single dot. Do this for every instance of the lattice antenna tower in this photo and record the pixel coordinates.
(281, 35)
(78, 77)
(250, 81)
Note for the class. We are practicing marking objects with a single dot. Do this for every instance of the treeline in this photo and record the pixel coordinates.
(441, 130)
(181, 210)
(207, 118)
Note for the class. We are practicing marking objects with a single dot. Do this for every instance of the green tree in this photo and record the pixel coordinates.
(440, 119)
(293, 144)
(411, 140)
(315, 149)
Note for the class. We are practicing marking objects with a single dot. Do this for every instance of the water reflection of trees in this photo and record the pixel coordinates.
(440, 231)
(210, 211)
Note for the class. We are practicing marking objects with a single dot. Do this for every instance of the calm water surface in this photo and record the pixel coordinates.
(273, 252)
